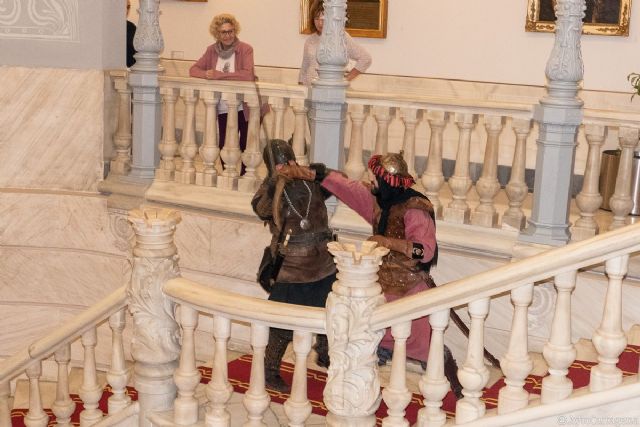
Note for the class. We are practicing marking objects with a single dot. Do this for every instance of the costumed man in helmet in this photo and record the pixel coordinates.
(297, 217)
(403, 220)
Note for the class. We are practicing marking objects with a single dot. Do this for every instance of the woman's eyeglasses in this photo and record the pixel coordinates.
(227, 32)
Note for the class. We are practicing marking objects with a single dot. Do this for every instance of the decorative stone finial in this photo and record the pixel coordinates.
(352, 393)
(565, 63)
(154, 230)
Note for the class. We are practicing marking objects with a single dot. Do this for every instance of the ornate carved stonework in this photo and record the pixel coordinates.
(122, 232)
(353, 386)
(333, 48)
(39, 19)
(148, 38)
(156, 333)
(565, 63)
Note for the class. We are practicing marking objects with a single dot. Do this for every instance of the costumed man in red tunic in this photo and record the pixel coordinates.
(403, 220)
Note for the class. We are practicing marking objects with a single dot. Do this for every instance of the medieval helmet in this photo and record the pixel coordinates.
(392, 168)
(277, 152)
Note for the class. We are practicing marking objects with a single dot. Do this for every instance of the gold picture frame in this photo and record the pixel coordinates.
(365, 18)
(603, 17)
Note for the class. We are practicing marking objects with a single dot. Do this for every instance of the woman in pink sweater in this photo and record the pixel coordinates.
(227, 59)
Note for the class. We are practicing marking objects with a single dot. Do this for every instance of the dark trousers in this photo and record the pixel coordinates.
(243, 129)
(310, 294)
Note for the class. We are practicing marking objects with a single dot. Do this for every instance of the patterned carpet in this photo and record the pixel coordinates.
(240, 369)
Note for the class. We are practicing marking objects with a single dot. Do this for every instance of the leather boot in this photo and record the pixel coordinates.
(279, 339)
(451, 372)
(322, 349)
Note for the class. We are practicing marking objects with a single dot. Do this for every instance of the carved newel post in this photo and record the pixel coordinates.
(154, 346)
(328, 93)
(559, 115)
(352, 393)
(143, 79)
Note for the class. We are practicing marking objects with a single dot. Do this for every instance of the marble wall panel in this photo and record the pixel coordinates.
(72, 221)
(51, 128)
(60, 277)
(222, 246)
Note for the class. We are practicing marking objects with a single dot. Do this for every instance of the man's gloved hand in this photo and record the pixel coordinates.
(295, 171)
(406, 247)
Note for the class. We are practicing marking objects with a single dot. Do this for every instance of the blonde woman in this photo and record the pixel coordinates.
(227, 59)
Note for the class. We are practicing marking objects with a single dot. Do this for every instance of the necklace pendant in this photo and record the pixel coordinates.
(305, 224)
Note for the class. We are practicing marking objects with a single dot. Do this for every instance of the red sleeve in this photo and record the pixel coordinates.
(420, 228)
(352, 193)
(199, 69)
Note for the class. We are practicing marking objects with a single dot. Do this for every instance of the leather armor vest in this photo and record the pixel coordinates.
(398, 273)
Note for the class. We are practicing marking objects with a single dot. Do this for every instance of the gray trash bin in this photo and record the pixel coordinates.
(609, 173)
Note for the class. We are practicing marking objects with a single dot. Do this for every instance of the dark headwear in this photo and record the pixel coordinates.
(277, 152)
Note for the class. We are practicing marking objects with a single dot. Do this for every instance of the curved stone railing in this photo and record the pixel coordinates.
(165, 311)
(356, 315)
(84, 326)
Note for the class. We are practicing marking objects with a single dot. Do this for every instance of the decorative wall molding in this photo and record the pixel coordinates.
(40, 20)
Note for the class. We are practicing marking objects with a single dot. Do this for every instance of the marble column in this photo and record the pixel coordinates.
(147, 105)
(155, 344)
(328, 93)
(559, 115)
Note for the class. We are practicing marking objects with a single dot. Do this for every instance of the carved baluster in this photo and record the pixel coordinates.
(460, 182)
(252, 157)
(559, 352)
(121, 164)
(382, 116)
(473, 375)
(187, 376)
(352, 343)
(488, 186)
(230, 153)
(517, 189)
(168, 146)
(63, 407)
(90, 391)
(355, 168)
(299, 130)
(409, 117)
(36, 417)
(589, 199)
(256, 399)
(209, 150)
(154, 346)
(5, 410)
(432, 178)
(219, 389)
(434, 386)
(297, 407)
(621, 202)
(279, 107)
(396, 395)
(118, 374)
(188, 147)
(609, 339)
(516, 364)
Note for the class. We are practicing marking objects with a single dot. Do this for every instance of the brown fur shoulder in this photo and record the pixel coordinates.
(421, 204)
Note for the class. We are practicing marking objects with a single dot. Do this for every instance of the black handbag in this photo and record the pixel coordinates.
(270, 265)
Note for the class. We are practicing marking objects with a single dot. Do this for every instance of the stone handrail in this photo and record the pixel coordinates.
(490, 283)
(41, 348)
(244, 308)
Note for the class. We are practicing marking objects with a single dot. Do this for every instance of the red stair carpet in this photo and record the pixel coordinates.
(240, 370)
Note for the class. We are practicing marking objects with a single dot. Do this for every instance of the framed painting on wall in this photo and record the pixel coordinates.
(365, 18)
(604, 17)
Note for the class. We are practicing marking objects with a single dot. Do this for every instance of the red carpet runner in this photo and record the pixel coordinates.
(240, 370)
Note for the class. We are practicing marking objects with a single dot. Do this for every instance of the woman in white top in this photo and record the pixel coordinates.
(309, 67)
